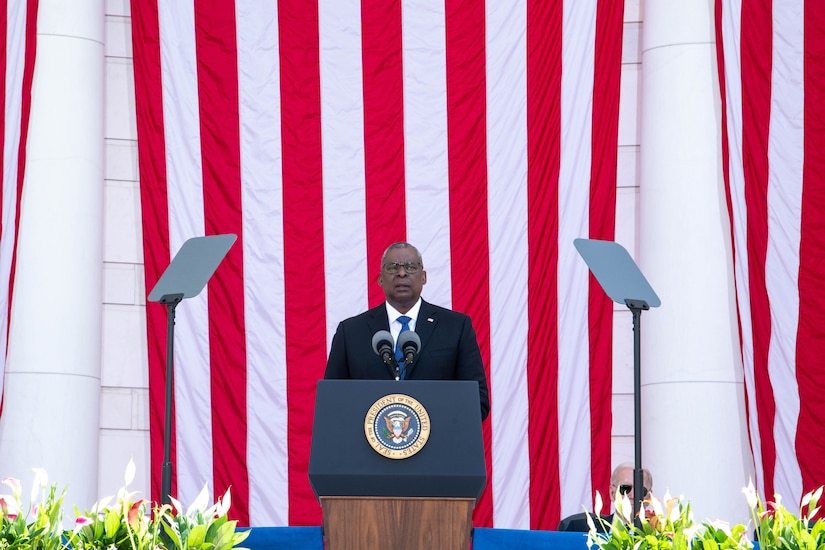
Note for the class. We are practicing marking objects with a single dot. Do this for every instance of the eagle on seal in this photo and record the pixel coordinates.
(398, 427)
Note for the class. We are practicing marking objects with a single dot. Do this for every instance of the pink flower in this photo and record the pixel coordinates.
(82, 521)
(15, 485)
(134, 513)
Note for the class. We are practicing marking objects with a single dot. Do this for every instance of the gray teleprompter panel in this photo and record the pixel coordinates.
(192, 266)
(616, 271)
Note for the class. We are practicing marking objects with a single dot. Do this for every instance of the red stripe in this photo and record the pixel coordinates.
(153, 195)
(215, 42)
(605, 136)
(3, 70)
(303, 240)
(467, 153)
(811, 335)
(544, 41)
(756, 79)
(383, 132)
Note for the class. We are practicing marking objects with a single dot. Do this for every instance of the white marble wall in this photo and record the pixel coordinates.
(627, 205)
(124, 404)
(124, 410)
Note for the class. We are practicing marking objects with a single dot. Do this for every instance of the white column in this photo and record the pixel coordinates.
(51, 410)
(694, 436)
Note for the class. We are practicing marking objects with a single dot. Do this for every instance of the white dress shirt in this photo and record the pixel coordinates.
(395, 324)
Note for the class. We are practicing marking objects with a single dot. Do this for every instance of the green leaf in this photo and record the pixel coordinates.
(239, 537)
(112, 524)
(197, 536)
(173, 534)
(223, 540)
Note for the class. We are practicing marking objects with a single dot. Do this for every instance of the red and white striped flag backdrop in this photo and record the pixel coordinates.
(320, 131)
(772, 67)
(18, 26)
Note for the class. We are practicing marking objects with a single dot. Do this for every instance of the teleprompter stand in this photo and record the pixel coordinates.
(185, 277)
(623, 282)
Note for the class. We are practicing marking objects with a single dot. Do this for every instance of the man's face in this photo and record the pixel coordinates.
(624, 485)
(402, 289)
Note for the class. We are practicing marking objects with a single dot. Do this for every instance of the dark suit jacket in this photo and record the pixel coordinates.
(578, 523)
(449, 349)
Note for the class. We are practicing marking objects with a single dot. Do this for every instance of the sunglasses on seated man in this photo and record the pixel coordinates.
(625, 489)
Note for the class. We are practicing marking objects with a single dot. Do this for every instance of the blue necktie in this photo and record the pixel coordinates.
(399, 355)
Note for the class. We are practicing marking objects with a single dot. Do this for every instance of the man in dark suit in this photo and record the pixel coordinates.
(449, 349)
(621, 482)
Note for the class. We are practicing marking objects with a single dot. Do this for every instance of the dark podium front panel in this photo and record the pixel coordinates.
(344, 463)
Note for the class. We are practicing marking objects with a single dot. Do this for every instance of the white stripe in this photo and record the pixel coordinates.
(731, 18)
(578, 39)
(425, 142)
(262, 195)
(185, 187)
(342, 135)
(507, 218)
(15, 50)
(15, 62)
(785, 157)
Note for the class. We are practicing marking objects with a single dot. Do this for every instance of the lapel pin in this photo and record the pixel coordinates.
(429, 319)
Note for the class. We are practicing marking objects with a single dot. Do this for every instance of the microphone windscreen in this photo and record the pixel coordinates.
(409, 338)
(381, 339)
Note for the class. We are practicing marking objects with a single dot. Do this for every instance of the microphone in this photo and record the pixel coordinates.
(382, 345)
(410, 344)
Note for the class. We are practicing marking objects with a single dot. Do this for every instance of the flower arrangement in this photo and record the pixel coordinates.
(670, 525)
(44, 529)
(777, 527)
(123, 524)
(667, 525)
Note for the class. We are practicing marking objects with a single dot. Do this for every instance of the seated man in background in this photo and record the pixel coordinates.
(621, 481)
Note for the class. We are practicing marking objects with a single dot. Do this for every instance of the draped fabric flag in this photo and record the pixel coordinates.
(772, 73)
(18, 27)
(320, 132)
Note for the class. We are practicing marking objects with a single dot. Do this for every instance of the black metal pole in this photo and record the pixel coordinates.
(170, 301)
(636, 307)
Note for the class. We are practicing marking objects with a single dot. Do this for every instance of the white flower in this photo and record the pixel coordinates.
(223, 504)
(41, 479)
(201, 501)
(750, 494)
(722, 525)
(656, 504)
(130, 472)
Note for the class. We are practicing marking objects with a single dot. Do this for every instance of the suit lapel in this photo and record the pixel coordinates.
(377, 319)
(424, 327)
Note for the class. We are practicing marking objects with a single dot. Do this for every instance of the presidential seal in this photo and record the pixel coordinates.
(397, 426)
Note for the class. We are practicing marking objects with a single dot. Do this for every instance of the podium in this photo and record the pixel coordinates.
(397, 464)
